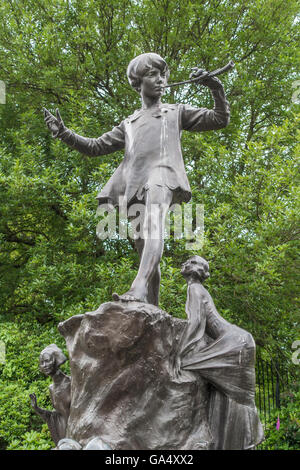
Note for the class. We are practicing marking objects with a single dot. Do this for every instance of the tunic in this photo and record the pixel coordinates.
(151, 139)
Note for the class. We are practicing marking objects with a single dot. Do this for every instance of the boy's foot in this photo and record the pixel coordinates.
(128, 297)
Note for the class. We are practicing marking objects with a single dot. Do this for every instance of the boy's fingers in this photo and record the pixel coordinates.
(49, 116)
(46, 112)
(49, 119)
(58, 115)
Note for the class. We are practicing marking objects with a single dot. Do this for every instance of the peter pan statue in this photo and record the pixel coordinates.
(152, 171)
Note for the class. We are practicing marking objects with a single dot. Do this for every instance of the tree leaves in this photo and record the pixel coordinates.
(74, 55)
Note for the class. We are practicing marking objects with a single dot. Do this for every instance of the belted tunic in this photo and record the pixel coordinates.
(151, 138)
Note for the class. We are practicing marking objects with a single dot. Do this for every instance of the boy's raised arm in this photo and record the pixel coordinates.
(108, 143)
(203, 119)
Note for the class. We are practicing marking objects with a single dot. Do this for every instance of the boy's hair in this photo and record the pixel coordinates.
(138, 67)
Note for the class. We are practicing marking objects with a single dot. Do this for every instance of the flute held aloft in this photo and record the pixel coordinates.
(199, 74)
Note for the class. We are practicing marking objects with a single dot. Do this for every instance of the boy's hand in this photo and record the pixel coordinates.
(55, 124)
(212, 82)
(33, 400)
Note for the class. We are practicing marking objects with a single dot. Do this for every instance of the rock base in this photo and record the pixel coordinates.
(125, 389)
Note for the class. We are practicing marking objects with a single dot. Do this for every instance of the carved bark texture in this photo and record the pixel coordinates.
(124, 386)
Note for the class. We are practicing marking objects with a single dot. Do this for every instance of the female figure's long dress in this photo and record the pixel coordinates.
(224, 355)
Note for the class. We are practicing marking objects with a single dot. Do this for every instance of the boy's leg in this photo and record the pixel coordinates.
(154, 283)
(157, 202)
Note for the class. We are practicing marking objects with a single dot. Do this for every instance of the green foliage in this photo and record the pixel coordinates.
(33, 440)
(74, 55)
(24, 339)
(288, 435)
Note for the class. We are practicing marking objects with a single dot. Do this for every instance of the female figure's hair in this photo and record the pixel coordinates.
(141, 64)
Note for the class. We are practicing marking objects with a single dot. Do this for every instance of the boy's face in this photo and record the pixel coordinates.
(152, 83)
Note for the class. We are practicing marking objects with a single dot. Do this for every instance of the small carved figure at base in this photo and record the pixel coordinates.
(51, 358)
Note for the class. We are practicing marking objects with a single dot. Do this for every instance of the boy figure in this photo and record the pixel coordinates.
(152, 170)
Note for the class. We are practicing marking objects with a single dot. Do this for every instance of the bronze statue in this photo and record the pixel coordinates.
(152, 170)
(142, 379)
(51, 358)
(224, 355)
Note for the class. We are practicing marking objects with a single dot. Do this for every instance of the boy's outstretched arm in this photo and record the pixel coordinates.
(203, 119)
(108, 143)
